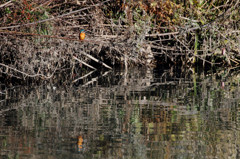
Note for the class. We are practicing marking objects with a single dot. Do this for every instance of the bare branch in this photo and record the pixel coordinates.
(57, 17)
(5, 4)
(84, 63)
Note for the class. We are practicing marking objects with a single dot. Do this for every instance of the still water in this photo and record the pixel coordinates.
(139, 113)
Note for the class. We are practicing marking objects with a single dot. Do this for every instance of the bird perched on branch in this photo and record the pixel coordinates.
(82, 34)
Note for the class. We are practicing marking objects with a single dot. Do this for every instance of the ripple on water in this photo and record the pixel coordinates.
(134, 114)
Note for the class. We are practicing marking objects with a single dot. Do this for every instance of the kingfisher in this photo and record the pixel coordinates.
(82, 34)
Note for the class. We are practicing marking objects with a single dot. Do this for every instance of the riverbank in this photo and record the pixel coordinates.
(40, 40)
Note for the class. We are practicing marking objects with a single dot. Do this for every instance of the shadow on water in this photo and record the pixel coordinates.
(136, 114)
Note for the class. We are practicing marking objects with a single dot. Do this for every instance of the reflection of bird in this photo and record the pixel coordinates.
(80, 142)
(82, 34)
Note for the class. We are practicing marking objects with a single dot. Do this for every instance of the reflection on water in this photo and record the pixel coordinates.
(134, 114)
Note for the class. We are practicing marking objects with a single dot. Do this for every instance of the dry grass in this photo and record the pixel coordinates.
(39, 44)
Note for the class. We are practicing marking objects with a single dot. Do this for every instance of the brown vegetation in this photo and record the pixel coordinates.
(40, 37)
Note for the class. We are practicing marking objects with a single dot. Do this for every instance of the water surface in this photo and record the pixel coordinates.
(139, 113)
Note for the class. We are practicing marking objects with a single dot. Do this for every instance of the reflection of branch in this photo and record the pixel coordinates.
(152, 102)
(95, 79)
(163, 84)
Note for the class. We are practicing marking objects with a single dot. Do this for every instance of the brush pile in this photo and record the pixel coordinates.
(39, 38)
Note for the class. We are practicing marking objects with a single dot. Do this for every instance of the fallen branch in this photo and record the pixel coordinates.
(98, 61)
(82, 77)
(84, 63)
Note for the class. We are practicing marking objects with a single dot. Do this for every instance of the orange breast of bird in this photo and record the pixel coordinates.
(82, 36)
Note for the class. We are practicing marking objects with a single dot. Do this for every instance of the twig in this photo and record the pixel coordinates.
(98, 61)
(95, 79)
(213, 63)
(33, 34)
(163, 34)
(48, 2)
(84, 63)
(83, 76)
(53, 18)
(26, 74)
(5, 4)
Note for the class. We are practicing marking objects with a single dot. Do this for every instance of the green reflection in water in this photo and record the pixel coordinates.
(135, 114)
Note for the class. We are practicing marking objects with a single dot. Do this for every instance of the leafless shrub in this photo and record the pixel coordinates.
(45, 42)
